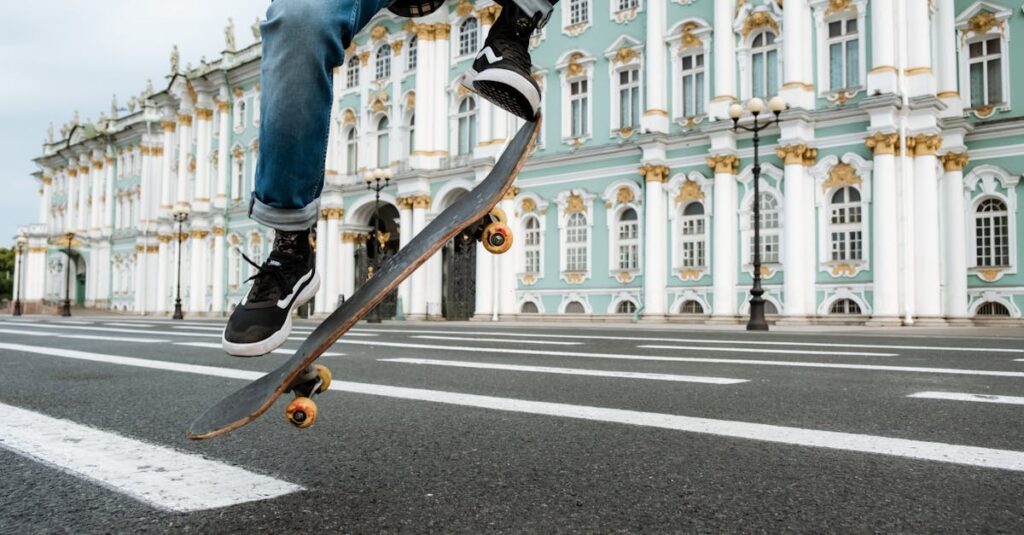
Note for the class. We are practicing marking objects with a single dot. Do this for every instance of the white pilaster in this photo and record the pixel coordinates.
(725, 61)
(322, 248)
(219, 257)
(418, 290)
(347, 272)
(204, 137)
(405, 234)
(184, 138)
(484, 283)
(655, 262)
(920, 79)
(946, 49)
(927, 248)
(71, 201)
(163, 264)
(333, 278)
(167, 178)
(506, 263)
(883, 77)
(725, 225)
(223, 157)
(954, 240)
(797, 88)
(655, 118)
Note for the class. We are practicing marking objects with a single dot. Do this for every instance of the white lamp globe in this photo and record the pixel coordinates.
(735, 111)
(755, 105)
(777, 104)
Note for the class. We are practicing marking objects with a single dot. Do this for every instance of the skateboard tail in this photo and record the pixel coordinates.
(248, 403)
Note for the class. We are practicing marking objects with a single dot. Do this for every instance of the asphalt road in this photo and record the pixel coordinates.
(435, 427)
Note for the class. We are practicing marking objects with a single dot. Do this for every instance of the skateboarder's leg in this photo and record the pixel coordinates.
(501, 72)
(303, 40)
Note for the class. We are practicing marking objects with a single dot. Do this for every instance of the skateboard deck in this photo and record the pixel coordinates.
(255, 398)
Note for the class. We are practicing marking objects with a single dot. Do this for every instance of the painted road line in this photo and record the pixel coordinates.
(72, 322)
(572, 371)
(795, 436)
(140, 325)
(159, 476)
(981, 398)
(759, 351)
(832, 365)
(294, 331)
(209, 345)
(119, 330)
(465, 339)
(689, 340)
(82, 336)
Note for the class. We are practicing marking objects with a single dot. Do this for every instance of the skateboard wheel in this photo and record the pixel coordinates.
(497, 238)
(301, 412)
(325, 378)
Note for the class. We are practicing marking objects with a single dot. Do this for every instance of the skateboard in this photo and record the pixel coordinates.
(474, 216)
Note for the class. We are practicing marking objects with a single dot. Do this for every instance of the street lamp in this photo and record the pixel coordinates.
(66, 312)
(180, 217)
(755, 106)
(376, 181)
(19, 274)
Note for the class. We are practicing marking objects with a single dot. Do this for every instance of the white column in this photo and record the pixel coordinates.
(883, 76)
(946, 48)
(139, 279)
(106, 206)
(484, 283)
(162, 279)
(418, 289)
(927, 301)
(83, 197)
(96, 210)
(405, 234)
(204, 136)
(167, 179)
(435, 284)
(920, 80)
(322, 248)
(72, 200)
(347, 271)
(796, 89)
(725, 59)
(506, 263)
(655, 118)
(797, 262)
(219, 257)
(655, 261)
(145, 188)
(725, 264)
(421, 157)
(197, 269)
(223, 157)
(439, 124)
(885, 252)
(955, 240)
(333, 277)
(184, 136)
(45, 199)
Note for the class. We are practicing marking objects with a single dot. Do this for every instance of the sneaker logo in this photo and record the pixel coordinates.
(287, 300)
(490, 55)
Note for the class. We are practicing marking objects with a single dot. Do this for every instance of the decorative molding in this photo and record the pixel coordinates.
(954, 161)
(655, 172)
(924, 144)
(724, 164)
(883, 144)
(841, 174)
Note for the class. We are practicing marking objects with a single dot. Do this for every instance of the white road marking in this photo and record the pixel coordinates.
(118, 330)
(140, 325)
(72, 322)
(692, 340)
(572, 371)
(795, 436)
(833, 365)
(982, 398)
(209, 345)
(82, 336)
(464, 339)
(759, 351)
(159, 476)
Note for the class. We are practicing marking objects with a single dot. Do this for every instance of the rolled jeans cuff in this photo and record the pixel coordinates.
(539, 9)
(286, 219)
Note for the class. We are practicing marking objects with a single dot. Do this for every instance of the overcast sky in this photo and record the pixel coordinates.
(58, 56)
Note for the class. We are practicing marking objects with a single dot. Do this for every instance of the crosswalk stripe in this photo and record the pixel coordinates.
(159, 476)
(282, 351)
(82, 336)
(981, 398)
(465, 339)
(795, 436)
(784, 363)
(571, 371)
(674, 339)
(140, 325)
(759, 351)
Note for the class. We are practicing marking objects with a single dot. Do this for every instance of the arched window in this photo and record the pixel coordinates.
(764, 64)
(993, 308)
(352, 151)
(383, 145)
(626, 307)
(845, 306)
(411, 57)
(468, 36)
(629, 240)
(629, 98)
(992, 234)
(843, 54)
(467, 125)
(529, 307)
(769, 229)
(576, 243)
(845, 225)
(352, 72)
(691, 307)
(575, 307)
(693, 73)
(531, 245)
(693, 236)
(382, 62)
(986, 72)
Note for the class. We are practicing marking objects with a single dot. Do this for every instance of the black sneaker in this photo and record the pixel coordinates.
(501, 71)
(286, 281)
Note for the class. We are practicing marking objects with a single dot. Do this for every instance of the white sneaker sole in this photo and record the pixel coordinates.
(276, 340)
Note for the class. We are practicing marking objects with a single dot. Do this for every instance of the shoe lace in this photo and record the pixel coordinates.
(269, 279)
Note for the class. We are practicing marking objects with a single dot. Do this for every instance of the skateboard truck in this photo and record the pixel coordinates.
(493, 231)
(302, 411)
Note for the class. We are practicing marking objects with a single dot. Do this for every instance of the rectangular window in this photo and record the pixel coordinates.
(986, 72)
(629, 98)
(626, 5)
(579, 11)
(844, 54)
(580, 104)
(693, 85)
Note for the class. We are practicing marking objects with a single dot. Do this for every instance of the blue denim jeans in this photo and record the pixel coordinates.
(303, 40)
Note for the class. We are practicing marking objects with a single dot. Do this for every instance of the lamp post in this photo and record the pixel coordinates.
(66, 311)
(376, 181)
(755, 106)
(180, 217)
(18, 275)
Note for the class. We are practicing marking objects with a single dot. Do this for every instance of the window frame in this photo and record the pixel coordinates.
(990, 251)
(824, 188)
(382, 68)
(573, 29)
(771, 184)
(468, 44)
(983, 182)
(967, 36)
(856, 10)
(564, 218)
(471, 116)
(586, 72)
